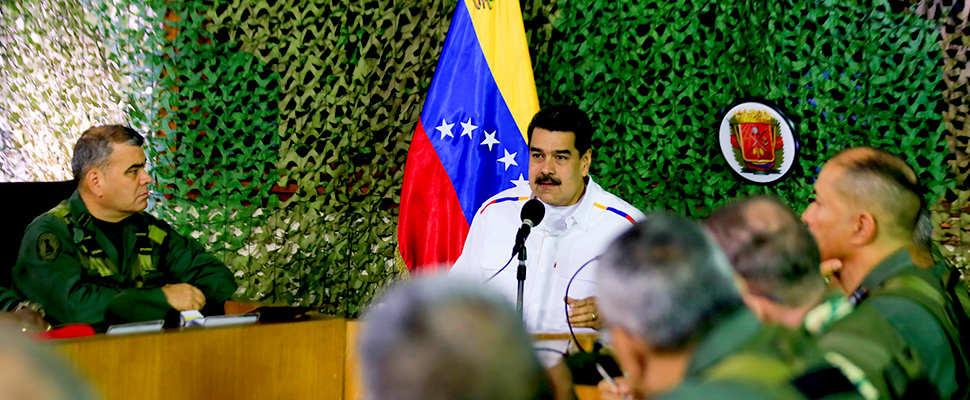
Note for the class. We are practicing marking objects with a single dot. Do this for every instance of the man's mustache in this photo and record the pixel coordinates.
(547, 180)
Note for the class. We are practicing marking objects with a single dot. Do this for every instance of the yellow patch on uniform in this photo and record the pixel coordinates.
(48, 246)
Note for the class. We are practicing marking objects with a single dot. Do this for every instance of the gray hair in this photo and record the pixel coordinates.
(93, 148)
(771, 249)
(665, 281)
(440, 339)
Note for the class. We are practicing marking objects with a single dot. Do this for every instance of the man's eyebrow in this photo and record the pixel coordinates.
(561, 151)
(136, 166)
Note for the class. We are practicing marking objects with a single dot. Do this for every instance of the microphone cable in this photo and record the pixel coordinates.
(566, 305)
(502, 269)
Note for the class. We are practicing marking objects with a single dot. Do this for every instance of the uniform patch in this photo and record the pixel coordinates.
(48, 246)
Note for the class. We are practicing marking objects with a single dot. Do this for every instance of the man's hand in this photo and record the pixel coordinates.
(621, 391)
(582, 313)
(832, 270)
(24, 320)
(184, 297)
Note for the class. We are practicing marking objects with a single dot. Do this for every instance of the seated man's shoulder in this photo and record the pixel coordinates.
(511, 198)
(609, 203)
(45, 225)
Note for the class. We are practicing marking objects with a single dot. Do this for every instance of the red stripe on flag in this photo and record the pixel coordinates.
(431, 227)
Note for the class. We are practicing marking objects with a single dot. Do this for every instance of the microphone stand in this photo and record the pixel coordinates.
(521, 277)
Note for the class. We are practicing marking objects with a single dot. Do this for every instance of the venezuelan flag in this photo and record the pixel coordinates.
(470, 142)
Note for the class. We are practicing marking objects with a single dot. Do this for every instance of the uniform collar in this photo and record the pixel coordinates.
(580, 218)
(83, 217)
(725, 338)
(888, 267)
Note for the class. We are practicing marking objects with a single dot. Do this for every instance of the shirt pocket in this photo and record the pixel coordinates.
(583, 283)
(494, 256)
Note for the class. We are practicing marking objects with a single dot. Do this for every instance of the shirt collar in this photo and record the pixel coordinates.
(580, 218)
(725, 338)
(888, 267)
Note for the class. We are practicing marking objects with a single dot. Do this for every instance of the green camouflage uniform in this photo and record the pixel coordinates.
(69, 265)
(892, 370)
(8, 299)
(915, 323)
(740, 359)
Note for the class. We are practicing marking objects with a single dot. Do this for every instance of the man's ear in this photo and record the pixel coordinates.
(92, 179)
(585, 161)
(865, 228)
(756, 304)
(631, 352)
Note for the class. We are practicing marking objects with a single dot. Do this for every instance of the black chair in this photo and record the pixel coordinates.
(20, 203)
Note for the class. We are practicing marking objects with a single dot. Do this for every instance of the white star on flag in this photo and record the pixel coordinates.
(520, 182)
(467, 128)
(445, 129)
(490, 140)
(508, 160)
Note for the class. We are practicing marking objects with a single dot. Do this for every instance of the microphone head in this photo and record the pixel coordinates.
(532, 212)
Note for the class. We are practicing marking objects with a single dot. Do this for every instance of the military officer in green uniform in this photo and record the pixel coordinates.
(680, 329)
(98, 258)
(867, 203)
(777, 261)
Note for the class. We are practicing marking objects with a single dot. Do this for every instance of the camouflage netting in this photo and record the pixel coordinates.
(279, 131)
(656, 75)
(57, 77)
(951, 215)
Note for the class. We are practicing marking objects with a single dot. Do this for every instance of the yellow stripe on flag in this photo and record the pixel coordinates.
(502, 36)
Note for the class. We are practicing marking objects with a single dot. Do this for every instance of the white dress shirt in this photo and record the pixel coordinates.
(555, 250)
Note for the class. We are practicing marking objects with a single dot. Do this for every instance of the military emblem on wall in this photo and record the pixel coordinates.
(758, 141)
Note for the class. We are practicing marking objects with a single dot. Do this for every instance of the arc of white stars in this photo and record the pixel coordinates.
(490, 139)
(508, 160)
(467, 128)
(445, 129)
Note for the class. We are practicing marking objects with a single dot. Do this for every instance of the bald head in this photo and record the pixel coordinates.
(770, 248)
(882, 184)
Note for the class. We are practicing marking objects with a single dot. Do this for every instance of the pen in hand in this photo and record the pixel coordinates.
(606, 377)
(609, 379)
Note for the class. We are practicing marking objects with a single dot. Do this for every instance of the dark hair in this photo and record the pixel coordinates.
(770, 248)
(877, 177)
(93, 149)
(564, 118)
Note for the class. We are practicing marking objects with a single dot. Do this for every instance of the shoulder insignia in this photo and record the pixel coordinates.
(48, 246)
(617, 212)
(502, 200)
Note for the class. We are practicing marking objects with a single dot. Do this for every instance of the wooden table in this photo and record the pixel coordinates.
(312, 359)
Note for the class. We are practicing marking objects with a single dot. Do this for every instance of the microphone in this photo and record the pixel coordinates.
(532, 213)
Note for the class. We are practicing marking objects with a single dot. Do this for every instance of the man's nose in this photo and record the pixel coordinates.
(145, 177)
(548, 167)
(808, 210)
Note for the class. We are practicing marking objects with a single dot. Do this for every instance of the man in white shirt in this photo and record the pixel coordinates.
(581, 220)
